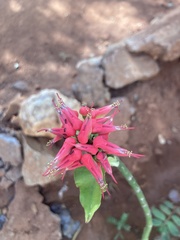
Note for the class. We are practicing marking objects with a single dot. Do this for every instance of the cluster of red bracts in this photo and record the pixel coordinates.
(86, 141)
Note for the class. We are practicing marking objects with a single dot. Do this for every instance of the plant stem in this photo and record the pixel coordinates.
(141, 198)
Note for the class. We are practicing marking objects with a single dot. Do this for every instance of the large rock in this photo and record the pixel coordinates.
(161, 39)
(123, 68)
(36, 158)
(28, 218)
(89, 86)
(37, 112)
(10, 149)
(10, 167)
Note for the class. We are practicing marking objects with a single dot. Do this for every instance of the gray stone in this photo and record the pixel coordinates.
(36, 158)
(88, 86)
(174, 196)
(94, 61)
(161, 39)
(5, 183)
(14, 174)
(10, 149)
(21, 86)
(68, 225)
(123, 68)
(37, 112)
(26, 224)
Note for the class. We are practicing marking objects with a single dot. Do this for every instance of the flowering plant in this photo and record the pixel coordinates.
(86, 150)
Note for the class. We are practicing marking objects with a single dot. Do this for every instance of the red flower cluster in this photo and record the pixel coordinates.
(86, 141)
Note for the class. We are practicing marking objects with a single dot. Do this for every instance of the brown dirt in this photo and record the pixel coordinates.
(47, 38)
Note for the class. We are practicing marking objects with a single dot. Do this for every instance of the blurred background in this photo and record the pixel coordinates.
(92, 52)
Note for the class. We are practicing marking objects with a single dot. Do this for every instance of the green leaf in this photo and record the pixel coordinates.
(157, 222)
(165, 236)
(124, 217)
(112, 220)
(127, 227)
(122, 221)
(176, 220)
(165, 209)
(169, 204)
(163, 230)
(90, 192)
(173, 229)
(157, 213)
(118, 235)
(177, 210)
(113, 160)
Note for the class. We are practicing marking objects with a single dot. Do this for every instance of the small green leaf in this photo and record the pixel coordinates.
(127, 227)
(173, 229)
(157, 222)
(177, 210)
(165, 236)
(90, 192)
(169, 204)
(176, 220)
(122, 221)
(113, 160)
(163, 230)
(118, 235)
(112, 220)
(165, 209)
(124, 217)
(157, 213)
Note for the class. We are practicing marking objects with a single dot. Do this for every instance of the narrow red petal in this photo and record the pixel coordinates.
(86, 148)
(110, 148)
(93, 167)
(85, 130)
(102, 157)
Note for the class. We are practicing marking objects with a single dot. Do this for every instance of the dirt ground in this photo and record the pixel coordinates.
(47, 38)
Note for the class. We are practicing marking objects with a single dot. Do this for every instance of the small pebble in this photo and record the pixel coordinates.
(2, 220)
(132, 110)
(21, 86)
(56, 208)
(161, 139)
(174, 196)
(62, 191)
(34, 208)
(16, 65)
(136, 97)
(4, 210)
(169, 5)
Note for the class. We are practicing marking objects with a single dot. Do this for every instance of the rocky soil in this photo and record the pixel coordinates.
(86, 52)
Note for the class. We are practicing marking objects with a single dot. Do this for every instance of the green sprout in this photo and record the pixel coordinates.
(120, 225)
(166, 219)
